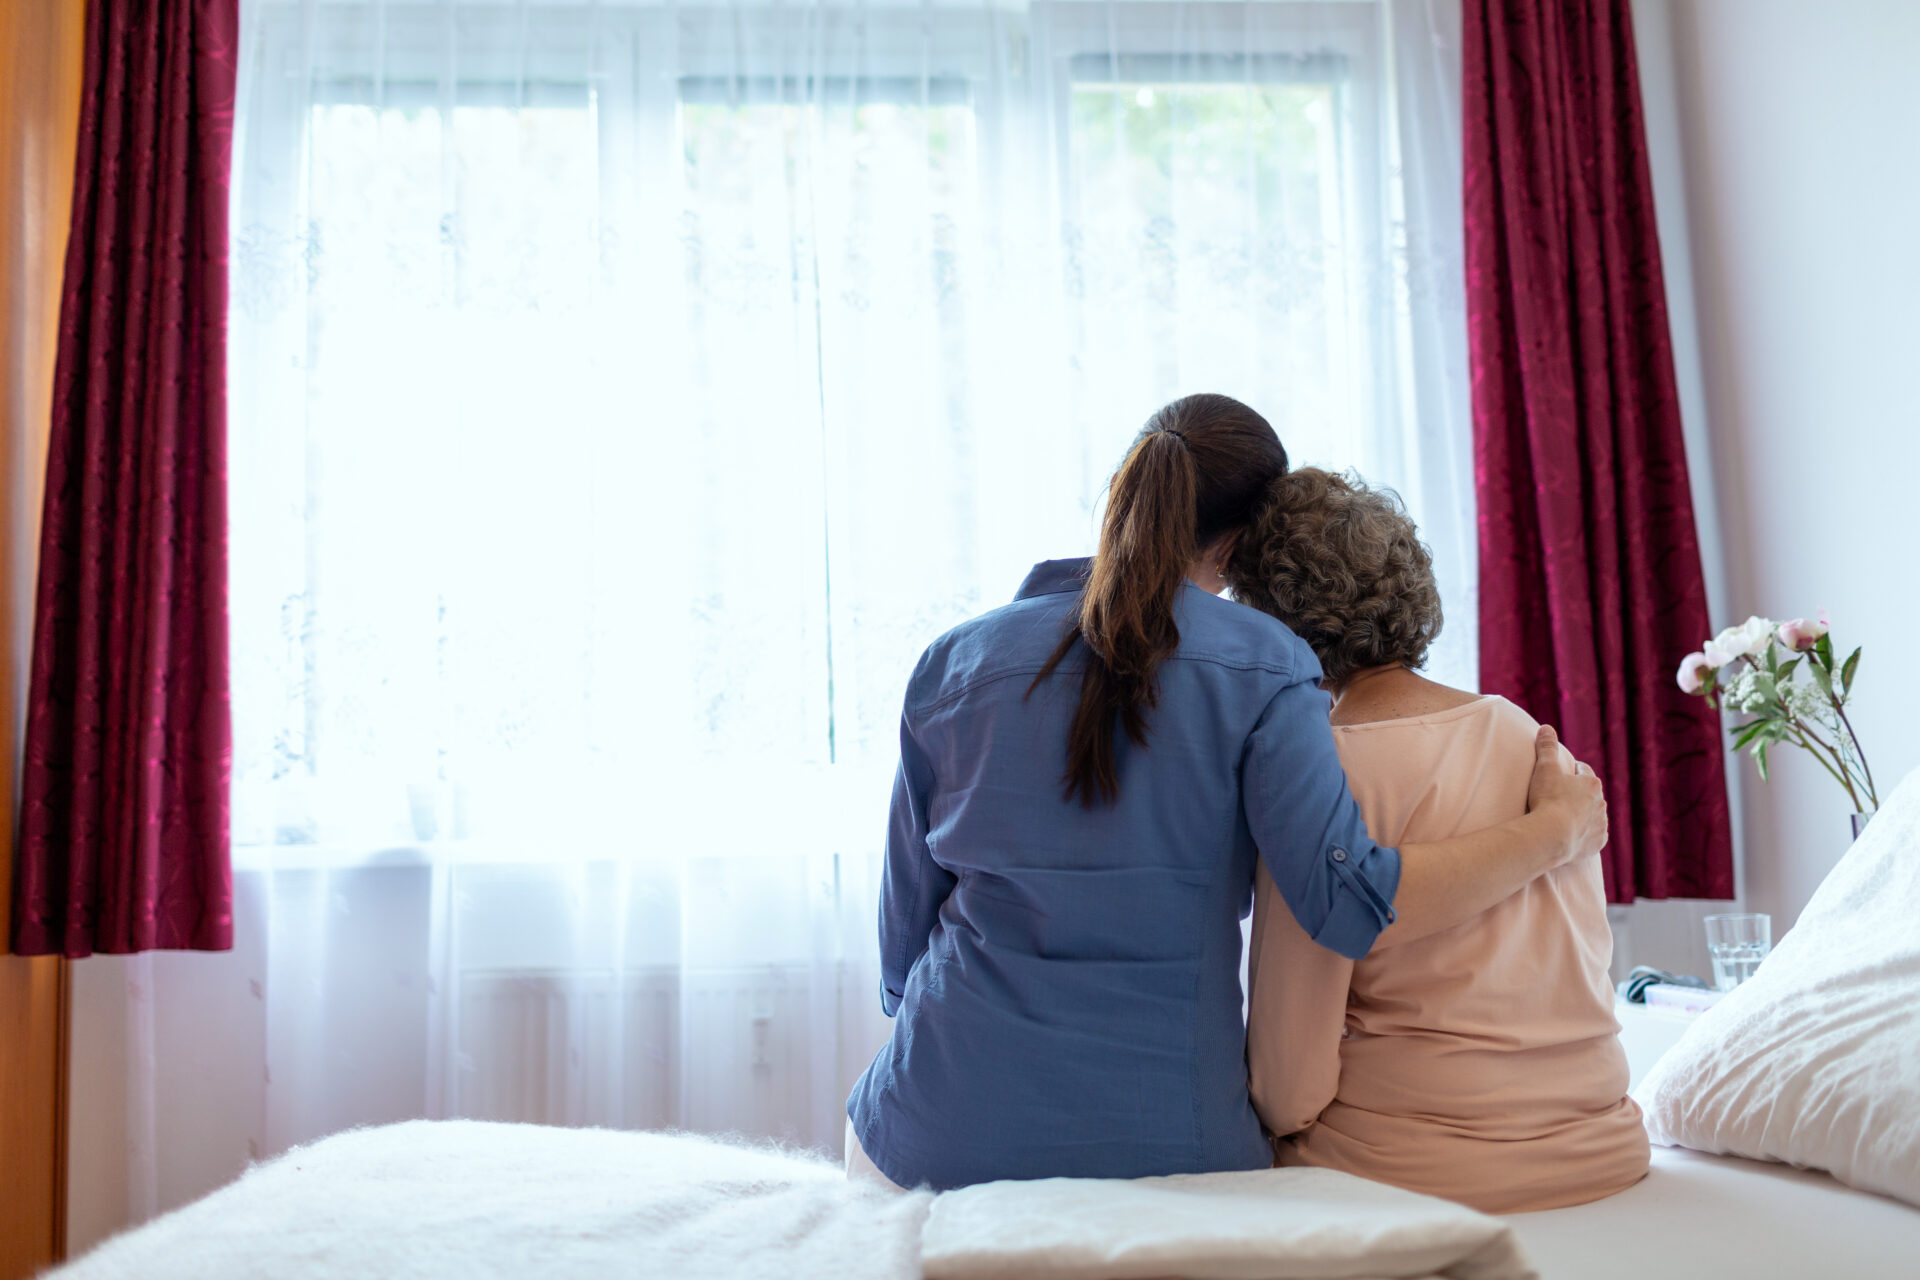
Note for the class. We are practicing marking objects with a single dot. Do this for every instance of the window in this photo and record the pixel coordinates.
(625, 395)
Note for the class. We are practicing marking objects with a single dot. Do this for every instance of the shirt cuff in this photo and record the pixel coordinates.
(890, 1003)
(1363, 900)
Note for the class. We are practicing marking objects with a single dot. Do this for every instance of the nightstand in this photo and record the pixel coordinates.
(1646, 1034)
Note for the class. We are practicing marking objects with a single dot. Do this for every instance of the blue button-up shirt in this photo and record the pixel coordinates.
(1065, 981)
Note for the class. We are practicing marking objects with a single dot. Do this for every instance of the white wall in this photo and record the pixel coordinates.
(1786, 143)
(1670, 935)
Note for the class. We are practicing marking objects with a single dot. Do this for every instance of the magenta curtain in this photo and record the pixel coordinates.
(124, 832)
(1590, 581)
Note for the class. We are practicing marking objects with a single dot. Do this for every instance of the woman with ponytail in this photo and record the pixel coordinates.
(1087, 778)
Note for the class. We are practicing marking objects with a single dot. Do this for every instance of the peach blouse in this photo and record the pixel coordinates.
(1482, 1063)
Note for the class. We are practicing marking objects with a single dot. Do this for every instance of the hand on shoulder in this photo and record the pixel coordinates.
(1570, 792)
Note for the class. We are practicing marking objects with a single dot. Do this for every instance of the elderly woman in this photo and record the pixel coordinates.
(1481, 1063)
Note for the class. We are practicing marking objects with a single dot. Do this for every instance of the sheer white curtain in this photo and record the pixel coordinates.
(622, 397)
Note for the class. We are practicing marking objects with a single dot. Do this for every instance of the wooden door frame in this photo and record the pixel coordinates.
(41, 59)
(36, 1001)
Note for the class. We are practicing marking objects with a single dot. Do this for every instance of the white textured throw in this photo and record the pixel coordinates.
(1274, 1224)
(1815, 1060)
(462, 1200)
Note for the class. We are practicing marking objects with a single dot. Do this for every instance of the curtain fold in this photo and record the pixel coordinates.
(1590, 578)
(124, 828)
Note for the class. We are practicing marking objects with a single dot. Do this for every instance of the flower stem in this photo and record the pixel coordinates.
(1843, 776)
(1873, 793)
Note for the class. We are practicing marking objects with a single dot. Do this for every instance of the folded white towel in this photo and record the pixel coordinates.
(1274, 1224)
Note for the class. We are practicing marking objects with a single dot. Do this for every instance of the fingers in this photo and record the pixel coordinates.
(1560, 779)
(1546, 746)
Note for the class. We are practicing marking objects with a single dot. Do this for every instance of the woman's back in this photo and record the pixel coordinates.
(1482, 1063)
(1064, 977)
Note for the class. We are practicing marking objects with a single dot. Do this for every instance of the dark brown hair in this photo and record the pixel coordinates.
(1197, 470)
(1343, 565)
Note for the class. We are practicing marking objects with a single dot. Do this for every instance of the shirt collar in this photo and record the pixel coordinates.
(1053, 577)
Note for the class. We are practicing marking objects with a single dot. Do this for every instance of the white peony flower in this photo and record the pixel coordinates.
(1749, 639)
(1758, 633)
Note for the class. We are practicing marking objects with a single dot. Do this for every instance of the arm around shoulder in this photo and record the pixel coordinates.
(1338, 883)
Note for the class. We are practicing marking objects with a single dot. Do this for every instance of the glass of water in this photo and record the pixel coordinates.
(1738, 944)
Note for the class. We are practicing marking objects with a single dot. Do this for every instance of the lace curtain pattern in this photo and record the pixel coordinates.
(624, 395)
(1591, 580)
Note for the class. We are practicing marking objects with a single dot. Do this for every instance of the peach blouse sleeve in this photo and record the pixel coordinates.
(1300, 988)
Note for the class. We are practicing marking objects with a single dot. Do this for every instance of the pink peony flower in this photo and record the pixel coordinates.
(1694, 670)
(1800, 635)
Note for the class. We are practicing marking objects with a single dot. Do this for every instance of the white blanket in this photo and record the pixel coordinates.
(461, 1199)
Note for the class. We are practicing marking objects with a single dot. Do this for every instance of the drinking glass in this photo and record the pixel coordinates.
(1738, 944)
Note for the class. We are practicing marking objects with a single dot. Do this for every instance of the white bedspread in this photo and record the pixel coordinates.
(463, 1199)
(1700, 1217)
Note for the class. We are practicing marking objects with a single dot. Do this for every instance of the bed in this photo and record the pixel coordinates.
(1700, 1215)
(461, 1199)
(1814, 1062)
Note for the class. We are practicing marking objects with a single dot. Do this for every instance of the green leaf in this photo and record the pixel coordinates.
(1760, 755)
(1773, 658)
(1846, 672)
(1823, 650)
(1786, 670)
(1746, 733)
(1821, 678)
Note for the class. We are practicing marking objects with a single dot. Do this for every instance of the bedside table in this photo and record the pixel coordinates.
(1646, 1034)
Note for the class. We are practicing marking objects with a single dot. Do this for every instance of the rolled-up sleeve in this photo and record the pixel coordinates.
(1337, 882)
(913, 885)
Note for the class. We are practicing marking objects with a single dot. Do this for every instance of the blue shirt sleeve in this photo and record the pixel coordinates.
(1307, 825)
(913, 885)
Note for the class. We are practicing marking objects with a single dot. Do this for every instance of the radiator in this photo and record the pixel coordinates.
(766, 1052)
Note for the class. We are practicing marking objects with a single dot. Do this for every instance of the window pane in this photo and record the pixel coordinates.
(1216, 222)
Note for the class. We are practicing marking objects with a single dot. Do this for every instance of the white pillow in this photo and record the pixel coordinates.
(1815, 1060)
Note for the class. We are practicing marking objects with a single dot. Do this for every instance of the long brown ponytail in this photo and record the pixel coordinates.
(1196, 471)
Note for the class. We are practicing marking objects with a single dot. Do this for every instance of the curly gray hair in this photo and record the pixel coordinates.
(1343, 566)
